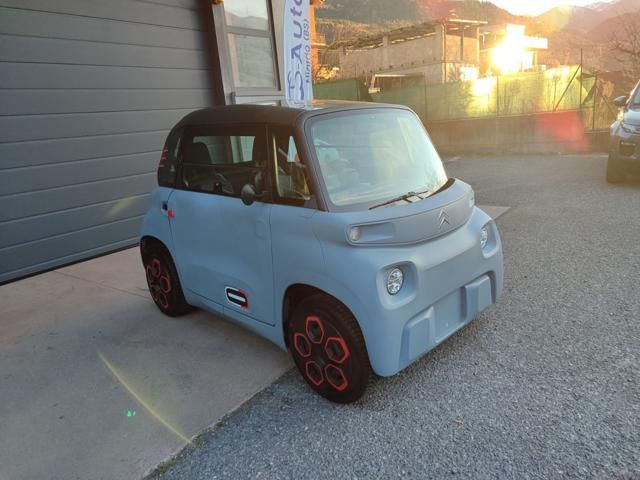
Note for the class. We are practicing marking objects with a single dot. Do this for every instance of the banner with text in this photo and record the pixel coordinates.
(297, 52)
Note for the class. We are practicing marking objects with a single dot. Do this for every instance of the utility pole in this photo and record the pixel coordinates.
(595, 97)
(426, 104)
(497, 95)
(581, 74)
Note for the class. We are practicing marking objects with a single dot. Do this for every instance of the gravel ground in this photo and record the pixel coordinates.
(543, 385)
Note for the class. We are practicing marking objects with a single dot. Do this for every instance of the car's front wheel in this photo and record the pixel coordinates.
(163, 282)
(328, 348)
(615, 173)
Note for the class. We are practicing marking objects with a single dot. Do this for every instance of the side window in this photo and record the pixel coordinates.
(168, 166)
(222, 162)
(292, 175)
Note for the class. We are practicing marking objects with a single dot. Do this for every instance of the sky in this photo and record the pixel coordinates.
(535, 7)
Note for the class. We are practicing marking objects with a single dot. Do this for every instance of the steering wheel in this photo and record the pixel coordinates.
(222, 184)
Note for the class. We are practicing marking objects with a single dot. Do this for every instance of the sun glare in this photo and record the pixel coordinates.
(508, 57)
(510, 54)
(516, 51)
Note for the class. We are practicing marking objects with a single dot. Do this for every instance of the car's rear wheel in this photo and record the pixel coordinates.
(328, 348)
(163, 282)
(615, 173)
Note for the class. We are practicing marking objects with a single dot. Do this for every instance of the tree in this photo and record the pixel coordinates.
(626, 45)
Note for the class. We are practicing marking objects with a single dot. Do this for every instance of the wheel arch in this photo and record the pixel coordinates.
(148, 241)
(152, 247)
(293, 295)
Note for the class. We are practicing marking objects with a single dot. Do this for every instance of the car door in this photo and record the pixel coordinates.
(295, 245)
(223, 247)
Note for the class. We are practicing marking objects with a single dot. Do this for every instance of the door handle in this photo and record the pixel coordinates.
(165, 209)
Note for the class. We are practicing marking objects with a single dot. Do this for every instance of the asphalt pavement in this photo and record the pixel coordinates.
(545, 384)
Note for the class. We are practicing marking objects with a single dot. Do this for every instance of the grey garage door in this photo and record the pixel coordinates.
(88, 92)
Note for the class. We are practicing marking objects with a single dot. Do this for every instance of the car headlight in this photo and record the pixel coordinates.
(395, 281)
(354, 234)
(484, 237)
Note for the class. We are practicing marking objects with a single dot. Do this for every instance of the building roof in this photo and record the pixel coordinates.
(404, 34)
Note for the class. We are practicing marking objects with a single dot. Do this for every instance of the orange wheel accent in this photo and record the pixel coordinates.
(336, 349)
(156, 269)
(162, 299)
(302, 345)
(314, 373)
(314, 329)
(336, 377)
(149, 273)
(159, 282)
(165, 283)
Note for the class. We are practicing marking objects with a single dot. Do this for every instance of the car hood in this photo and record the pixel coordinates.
(406, 224)
(632, 116)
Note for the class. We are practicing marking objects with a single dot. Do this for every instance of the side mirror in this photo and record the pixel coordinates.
(620, 102)
(248, 194)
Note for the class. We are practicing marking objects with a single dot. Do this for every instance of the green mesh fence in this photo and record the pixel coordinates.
(415, 98)
(556, 89)
(342, 90)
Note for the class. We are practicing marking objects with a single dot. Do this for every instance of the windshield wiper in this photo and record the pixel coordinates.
(404, 197)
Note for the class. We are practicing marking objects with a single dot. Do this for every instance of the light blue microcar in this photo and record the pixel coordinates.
(330, 229)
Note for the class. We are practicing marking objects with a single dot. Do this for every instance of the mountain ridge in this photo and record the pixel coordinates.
(383, 11)
(586, 18)
(380, 12)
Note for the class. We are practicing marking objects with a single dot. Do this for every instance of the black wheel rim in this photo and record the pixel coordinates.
(322, 353)
(159, 281)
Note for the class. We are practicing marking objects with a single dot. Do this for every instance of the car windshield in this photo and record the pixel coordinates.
(635, 100)
(371, 156)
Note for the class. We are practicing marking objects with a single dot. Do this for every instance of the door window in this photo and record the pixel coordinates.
(292, 175)
(222, 164)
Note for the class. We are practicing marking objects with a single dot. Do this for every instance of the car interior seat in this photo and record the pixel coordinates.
(197, 170)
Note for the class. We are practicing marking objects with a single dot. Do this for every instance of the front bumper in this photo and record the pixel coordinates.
(432, 326)
(625, 148)
(449, 281)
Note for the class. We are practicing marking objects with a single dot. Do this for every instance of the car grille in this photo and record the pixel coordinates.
(627, 149)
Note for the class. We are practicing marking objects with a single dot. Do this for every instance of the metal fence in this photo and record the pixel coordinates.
(569, 88)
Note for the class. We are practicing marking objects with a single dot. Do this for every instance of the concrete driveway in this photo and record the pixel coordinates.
(95, 383)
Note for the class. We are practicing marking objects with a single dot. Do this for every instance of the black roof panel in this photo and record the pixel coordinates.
(285, 115)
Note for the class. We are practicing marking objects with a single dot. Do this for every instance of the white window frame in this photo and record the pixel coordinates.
(234, 93)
